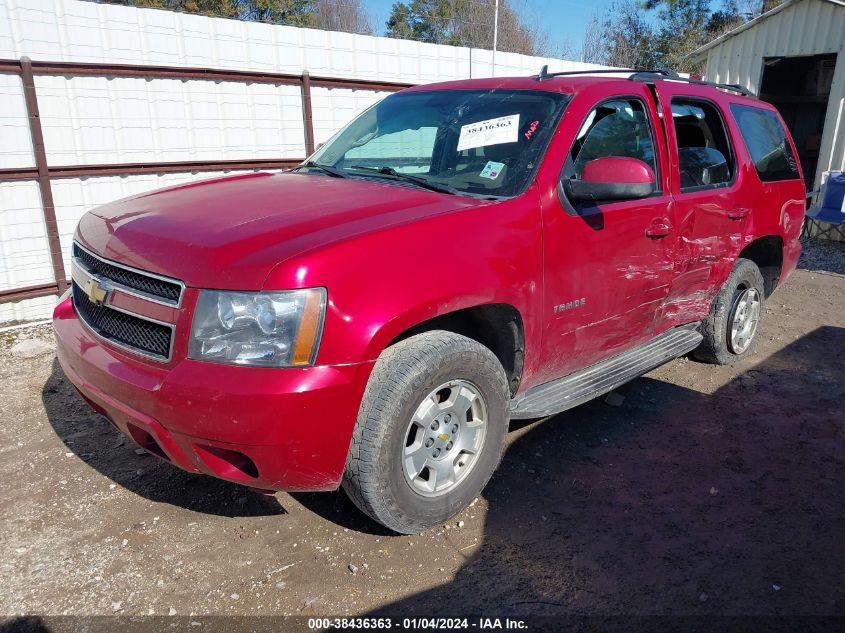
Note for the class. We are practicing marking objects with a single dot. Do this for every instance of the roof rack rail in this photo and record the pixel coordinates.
(545, 74)
(646, 75)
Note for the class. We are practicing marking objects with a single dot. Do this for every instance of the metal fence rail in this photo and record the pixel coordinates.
(44, 173)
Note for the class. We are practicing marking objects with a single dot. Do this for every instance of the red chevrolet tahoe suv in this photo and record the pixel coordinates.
(459, 255)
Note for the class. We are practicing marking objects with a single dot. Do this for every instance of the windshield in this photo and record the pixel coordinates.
(474, 142)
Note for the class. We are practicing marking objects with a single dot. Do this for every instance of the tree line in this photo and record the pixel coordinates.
(348, 16)
(628, 33)
(470, 23)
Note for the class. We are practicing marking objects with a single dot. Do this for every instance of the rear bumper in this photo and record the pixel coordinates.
(279, 429)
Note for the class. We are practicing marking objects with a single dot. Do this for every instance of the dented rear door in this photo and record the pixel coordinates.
(709, 216)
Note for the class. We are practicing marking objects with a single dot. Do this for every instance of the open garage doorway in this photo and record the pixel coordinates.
(799, 87)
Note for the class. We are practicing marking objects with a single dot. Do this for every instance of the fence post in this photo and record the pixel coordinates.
(307, 117)
(49, 208)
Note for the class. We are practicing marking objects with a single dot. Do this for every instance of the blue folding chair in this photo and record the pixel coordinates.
(829, 217)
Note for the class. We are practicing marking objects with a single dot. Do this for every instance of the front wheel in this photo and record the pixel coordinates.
(429, 432)
(732, 329)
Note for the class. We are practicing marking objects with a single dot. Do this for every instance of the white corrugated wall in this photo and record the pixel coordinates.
(97, 120)
(805, 27)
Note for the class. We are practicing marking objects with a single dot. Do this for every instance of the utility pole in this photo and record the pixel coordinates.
(495, 36)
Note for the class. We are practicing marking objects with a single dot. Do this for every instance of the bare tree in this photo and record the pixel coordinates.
(348, 16)
(619, 37)
(749, 9)
(594, 49)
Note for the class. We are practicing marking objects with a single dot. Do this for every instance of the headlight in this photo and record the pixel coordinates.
(269, 329)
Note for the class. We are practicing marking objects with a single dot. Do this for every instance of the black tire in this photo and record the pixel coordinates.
(404, 375)
(716, 328)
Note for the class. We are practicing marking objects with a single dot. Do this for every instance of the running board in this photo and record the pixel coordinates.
(582, 386)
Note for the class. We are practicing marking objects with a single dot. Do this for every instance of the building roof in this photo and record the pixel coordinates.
(699, 52)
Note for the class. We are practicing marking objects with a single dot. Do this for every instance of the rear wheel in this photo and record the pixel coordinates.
(732, 329)
(429, 432)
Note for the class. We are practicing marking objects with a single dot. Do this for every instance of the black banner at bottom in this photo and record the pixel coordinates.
(534, 624)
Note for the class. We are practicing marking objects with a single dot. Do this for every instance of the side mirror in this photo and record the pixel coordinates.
(611, 178)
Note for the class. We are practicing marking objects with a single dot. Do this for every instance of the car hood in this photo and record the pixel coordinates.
(230, 232)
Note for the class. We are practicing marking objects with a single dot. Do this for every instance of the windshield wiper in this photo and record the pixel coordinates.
(326, 169)
(422, 182)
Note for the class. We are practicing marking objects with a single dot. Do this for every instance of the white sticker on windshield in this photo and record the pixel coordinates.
(504, 129)
(492, 170)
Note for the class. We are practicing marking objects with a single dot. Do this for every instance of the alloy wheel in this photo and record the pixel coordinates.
(444, 438)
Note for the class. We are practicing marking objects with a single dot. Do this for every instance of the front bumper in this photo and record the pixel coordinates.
(277, 429)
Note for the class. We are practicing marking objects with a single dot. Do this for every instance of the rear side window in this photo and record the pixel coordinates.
(704, 151)
(767, 143)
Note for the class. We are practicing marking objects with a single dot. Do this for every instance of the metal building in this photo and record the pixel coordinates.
(794, 57)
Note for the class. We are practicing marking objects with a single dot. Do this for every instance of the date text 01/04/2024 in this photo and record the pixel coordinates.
(434, 624)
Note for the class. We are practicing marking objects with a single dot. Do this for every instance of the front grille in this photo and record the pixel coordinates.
(169, 291)
(124, 329)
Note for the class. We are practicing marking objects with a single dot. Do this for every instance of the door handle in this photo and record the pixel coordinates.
(738, 214)
(658, 229)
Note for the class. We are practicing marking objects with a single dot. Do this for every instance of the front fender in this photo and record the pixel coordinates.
(384, 282)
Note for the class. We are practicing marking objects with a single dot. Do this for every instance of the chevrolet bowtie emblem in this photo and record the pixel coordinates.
(96, 293)
(443, 436)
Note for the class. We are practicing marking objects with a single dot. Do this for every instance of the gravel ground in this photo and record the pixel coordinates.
(704, 490)
(823, 256)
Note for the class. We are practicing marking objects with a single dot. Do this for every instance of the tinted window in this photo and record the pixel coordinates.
(476, 142)
(615, 128)
(704, 152)
(767, 143)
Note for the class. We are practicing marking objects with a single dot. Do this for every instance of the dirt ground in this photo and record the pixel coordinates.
(709, 490)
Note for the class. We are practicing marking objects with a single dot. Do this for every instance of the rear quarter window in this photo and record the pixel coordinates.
(767, 143)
